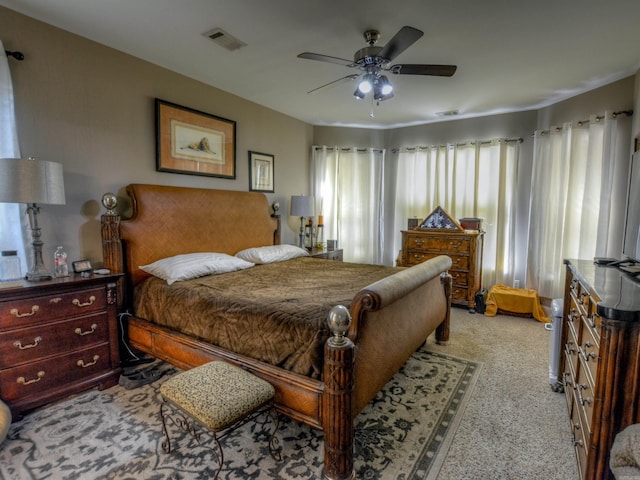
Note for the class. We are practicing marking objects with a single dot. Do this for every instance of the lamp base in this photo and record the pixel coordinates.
(38, 276)
(38, 272)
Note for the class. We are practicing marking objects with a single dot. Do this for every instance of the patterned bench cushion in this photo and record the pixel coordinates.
(217, 394)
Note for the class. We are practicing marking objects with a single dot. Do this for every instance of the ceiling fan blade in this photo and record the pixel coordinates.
(420, 69)
(326, 58)
(353, 76)
(402, 40)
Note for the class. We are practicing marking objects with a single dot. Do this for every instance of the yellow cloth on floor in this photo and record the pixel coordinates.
(514, 300)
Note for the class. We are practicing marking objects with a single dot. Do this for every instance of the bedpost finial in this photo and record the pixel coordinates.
(339, 321)
(110, 201)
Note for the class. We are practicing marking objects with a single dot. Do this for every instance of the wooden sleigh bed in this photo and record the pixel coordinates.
(390, 317)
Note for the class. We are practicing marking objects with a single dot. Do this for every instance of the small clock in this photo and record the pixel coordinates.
(82, 266)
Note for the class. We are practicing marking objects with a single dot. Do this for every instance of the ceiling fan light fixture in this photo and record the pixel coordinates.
(367, 83)
(358, 94)
(385, 85)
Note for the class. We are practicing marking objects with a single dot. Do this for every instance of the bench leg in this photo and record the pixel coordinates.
(183, 422)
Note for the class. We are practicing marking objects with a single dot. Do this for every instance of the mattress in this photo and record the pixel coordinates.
(275, 313)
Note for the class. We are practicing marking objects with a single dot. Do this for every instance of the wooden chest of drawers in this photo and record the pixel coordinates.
(600, 361)
(464, 248)
(57, 337)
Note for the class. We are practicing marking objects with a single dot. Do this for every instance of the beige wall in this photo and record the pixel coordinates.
(91, 108)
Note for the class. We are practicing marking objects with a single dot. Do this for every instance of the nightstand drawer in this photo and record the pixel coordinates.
(54, 372)
(23, 312)
(29, 344)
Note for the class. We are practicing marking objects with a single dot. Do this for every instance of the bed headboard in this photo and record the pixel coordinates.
(168, 221)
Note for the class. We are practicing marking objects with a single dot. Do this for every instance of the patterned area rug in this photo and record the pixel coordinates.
(403, 433)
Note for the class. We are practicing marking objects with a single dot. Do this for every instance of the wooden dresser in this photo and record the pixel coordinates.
(601, 360)
(57, 337)
(465, 249)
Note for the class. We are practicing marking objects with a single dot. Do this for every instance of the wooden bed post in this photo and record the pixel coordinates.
(110, 229)
(337, 399)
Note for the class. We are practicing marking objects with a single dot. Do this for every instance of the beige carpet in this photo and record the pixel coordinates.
(515, 426)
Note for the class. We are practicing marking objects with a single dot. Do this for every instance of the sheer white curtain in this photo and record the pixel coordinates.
(12, 215)
(348, 187)
(475, 179)
(577, 197)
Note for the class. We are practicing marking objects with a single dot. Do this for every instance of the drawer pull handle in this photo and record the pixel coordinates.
(16, 313)
(55, 300)
(419, 243)
(418, 256)
(77, 303)
(85, 365)
(456, 260)
(36, 342)
(455, 244)
(22, 381)
(79, 331)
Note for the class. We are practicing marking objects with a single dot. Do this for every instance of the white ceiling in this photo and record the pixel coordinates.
(511, 55)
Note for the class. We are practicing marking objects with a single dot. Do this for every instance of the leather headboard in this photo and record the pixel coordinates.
(169, 221)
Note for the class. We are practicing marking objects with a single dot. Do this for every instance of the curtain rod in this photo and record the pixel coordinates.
(347, 149)
(460, 144)
(17, 55)
(580, 123)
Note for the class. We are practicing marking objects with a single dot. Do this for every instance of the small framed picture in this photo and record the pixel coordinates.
(260, 172)
(82, 266)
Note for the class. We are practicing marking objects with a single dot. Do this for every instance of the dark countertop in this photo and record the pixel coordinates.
(618, 291)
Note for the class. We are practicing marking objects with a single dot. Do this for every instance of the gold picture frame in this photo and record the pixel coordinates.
(261, 170)
(192, 142)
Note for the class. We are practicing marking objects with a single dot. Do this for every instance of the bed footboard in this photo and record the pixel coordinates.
(390, 319)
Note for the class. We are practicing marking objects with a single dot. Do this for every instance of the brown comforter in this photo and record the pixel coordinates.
(275, 313)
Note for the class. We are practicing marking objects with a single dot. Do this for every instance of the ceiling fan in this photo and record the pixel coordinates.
(374, 60)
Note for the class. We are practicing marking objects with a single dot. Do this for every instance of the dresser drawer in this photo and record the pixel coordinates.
(459, 277)
(23, 312)
(458, 262)
(459, 293)
(589, 350)
(54, 372)
(29, 344)
(585, 396)
(578, 435)
(441, 244)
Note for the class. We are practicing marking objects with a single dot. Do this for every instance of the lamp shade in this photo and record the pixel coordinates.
(302, 206)
(31, 181)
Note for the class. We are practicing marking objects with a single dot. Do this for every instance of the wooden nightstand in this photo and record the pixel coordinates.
(57, 337)
(335, 255)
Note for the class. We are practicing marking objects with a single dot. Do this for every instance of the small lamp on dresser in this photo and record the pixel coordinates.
(32, 182)
(302, 207)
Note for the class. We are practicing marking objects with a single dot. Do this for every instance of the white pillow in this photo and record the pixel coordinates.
(193, 265)
(271, 253)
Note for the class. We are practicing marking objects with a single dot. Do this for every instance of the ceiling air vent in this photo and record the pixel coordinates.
(224, 39)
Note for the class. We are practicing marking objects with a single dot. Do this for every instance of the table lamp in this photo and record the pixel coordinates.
(32, 182)
(302, 206)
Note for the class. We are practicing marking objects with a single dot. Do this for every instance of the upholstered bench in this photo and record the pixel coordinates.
(219, 397)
